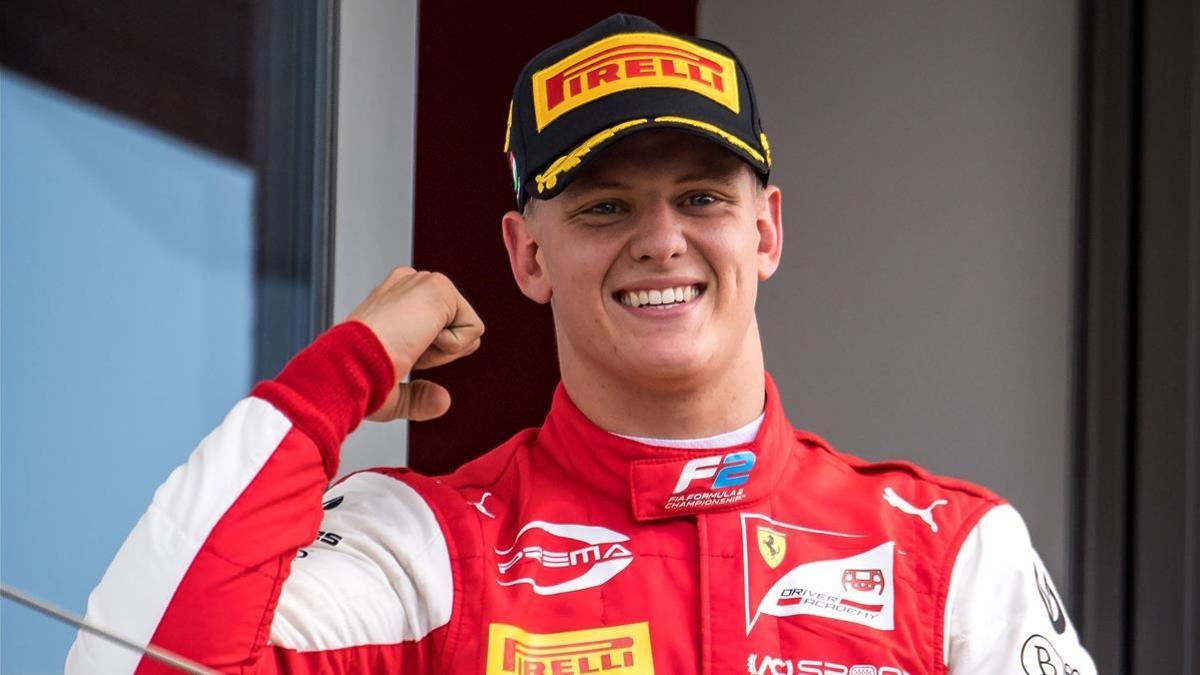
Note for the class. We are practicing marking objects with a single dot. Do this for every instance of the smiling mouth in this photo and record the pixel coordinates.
(660, 298)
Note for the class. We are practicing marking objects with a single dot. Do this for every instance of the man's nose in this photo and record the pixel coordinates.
(659, 235)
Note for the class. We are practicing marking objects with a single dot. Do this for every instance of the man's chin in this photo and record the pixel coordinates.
(665, 366)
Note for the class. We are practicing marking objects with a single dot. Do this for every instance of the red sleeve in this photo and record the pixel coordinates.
(201, 573)
(328, 388)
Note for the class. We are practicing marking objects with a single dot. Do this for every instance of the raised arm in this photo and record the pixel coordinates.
(202, 572)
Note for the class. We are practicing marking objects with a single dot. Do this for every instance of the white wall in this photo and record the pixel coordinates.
(923, 311)
(376, 105)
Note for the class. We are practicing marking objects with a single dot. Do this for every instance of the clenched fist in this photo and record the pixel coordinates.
(423, 321)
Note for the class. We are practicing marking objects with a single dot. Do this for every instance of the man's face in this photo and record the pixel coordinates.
(651, 258)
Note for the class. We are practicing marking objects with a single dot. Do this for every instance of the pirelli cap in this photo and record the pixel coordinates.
(621, 76)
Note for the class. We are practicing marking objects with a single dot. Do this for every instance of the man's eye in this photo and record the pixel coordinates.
(604, 209)
(701, 199)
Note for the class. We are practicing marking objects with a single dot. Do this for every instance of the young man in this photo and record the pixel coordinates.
(665, 518)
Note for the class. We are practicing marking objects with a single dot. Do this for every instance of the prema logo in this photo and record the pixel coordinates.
(632, 61)
(558, 558)
(620, 650)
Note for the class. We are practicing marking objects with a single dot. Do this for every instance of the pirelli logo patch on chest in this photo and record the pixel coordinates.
(632, 61)
(619, 650)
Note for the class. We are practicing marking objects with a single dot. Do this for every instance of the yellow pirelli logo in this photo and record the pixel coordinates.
(616, 650)
(632, 61)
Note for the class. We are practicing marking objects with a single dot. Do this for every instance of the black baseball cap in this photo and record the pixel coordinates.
(621, 76)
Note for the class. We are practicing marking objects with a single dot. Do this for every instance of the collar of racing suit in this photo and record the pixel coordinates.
(668, 482)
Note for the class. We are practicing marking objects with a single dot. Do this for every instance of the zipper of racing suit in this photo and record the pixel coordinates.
(705, 600)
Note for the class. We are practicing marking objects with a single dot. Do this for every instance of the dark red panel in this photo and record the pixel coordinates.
(469, 56)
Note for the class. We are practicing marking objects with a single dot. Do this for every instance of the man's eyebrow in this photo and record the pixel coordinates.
(722, 172)
(724, 177)
(585, 183)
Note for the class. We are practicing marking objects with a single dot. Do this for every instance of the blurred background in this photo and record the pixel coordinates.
(992, 259)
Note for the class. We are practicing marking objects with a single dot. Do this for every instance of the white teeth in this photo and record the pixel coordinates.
(660, 297)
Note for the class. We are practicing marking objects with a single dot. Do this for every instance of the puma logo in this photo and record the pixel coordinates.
(925, 514)
(479, 505)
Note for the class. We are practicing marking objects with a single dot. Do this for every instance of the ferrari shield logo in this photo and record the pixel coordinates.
(771, 544)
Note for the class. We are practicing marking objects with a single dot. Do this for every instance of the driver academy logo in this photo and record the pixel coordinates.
(791, 570)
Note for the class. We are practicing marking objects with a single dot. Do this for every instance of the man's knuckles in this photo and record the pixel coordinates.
(399, 273)
(421, 318)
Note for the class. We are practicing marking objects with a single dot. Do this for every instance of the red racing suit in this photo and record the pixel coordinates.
(567, 550)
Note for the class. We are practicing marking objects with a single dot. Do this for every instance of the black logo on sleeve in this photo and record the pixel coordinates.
(333, 503)
(330, 538)
(1039, 657)
(1050, 599)
(323, 537)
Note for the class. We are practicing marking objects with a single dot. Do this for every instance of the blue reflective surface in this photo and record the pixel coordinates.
(126, 298)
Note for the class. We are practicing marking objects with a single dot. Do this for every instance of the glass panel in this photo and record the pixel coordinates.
(126, 284)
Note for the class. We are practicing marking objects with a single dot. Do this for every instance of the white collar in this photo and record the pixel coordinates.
(739, 436)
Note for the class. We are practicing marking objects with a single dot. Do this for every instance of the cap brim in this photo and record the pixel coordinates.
(561, 172)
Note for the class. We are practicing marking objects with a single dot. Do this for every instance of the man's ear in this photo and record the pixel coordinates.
(769, 221)
(525, 257)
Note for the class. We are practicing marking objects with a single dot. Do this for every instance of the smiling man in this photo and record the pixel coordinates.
(651, 260)
(665, 518)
